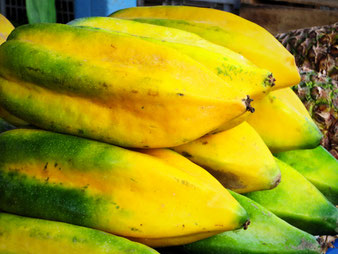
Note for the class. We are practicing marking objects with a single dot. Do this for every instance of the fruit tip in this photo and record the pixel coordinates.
(247, 102)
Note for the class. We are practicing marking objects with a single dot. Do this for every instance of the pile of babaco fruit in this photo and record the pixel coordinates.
(165, 129)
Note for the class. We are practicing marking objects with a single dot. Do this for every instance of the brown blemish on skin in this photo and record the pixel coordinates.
(153, 93)
(186, 154)
(246, 224)
(134, 91)
(227, 179)
(204, 142)
(277, 181)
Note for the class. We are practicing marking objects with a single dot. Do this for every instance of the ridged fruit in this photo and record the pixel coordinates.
(238, 158)
(230, 66)
(283, 122)
(318, 166)
(266, 234)
(115, 87)
(66, 178)
(22, 235)
(300, 203)
(228, 30)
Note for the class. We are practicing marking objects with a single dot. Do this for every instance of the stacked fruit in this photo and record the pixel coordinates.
(190, 91)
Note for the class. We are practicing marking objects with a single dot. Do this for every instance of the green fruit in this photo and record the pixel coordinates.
(299, 202)
(318, 166)
(266, 234)
(23, 235)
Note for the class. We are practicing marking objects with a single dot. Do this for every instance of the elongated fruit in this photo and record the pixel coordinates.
(300, 203)
(115, 87)
(266, 234)
(225, 29)
(83, 182)
(238, 158)
(318, 166)
(230, 66)
(22, 235)
(176, 160)
(283, 122)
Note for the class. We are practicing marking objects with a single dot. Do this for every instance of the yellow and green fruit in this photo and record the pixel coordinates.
(300, 203)
(23, 235)
(115, 87)
(225, 29)
(97, 185)
(266, 234)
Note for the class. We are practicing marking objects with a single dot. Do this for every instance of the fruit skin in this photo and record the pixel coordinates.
(98, 88)
(238, 158)
(176, 160)
(230, 66)
(283, 122)
(23, 235)
(300, 203)
(316, 165)
(225, 29)
(88, 183)
(265, 234)
(6, 28)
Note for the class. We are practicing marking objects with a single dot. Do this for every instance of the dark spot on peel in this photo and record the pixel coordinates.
(180, 94)
(55, 165)
(134, 91)
(186, 154)
(153, 93)
(276, 181)
(227, 179)
(45, 167)
(246, 224)
(204, 142)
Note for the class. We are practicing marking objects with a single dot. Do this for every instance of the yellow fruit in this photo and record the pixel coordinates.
(176, 160)
(111, 86)
(230, 66)
(283, 122)
(238, 158)
(225, 29)
(6, 28)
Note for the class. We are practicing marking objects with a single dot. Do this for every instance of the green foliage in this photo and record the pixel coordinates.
(41, 11)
